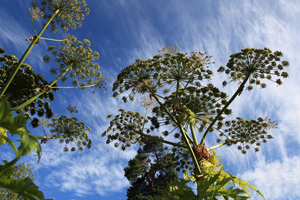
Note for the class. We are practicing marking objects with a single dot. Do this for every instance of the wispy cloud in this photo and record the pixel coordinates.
(277, 179)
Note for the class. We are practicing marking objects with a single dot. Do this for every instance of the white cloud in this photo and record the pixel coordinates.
(278, 179)
(99, 169)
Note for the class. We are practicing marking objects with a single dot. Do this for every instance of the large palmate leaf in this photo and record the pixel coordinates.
(213, 183)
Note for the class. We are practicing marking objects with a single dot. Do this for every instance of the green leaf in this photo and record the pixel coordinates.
(29, 142)
(17, 125)
(10, 143)
(25, 188)
(7, 121)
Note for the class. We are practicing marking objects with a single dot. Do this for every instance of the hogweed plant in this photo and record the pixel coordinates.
(188, 104)
(25, 95)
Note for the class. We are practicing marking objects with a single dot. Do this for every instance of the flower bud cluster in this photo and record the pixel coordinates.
(80, 58)
(260, 64)
(247, 133)
(146, 76)
(125, 128)
(73, 133)
(71, 12)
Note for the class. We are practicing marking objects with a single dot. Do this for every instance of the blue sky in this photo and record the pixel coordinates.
(122, 31)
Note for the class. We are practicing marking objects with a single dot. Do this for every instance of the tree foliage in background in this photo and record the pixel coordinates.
(21, 172)
(190, 108)
(151, 171)
(24, 94)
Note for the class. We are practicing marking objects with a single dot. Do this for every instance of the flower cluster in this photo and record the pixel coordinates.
(79, 58)
(72, 132)
(162, 71)
(126, 127)
(247, 133)
(70, 12)
(257, 64)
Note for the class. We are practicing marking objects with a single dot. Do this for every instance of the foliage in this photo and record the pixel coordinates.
(16, 125)
(214, 182)
(24, 86)
(151, 171)
(21, 172)
(187, 102)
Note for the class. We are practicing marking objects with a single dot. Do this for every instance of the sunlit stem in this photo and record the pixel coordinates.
(184, 134)
(216, 146)
(32, 99)
(222, 144)
(238, 91)
(27, 52)
(192, 127)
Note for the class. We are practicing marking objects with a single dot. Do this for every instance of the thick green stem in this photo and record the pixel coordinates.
(238, 91)
(192, 127)
(184, 134)
(32, 99)
(177, 91)
(27, 52)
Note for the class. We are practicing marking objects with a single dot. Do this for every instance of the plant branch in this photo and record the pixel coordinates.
(40, 93)
(27, 52)
(192, 127)
(190, 149)
(238, 91)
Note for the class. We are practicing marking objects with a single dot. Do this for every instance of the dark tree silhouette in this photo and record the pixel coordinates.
(151, 171)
